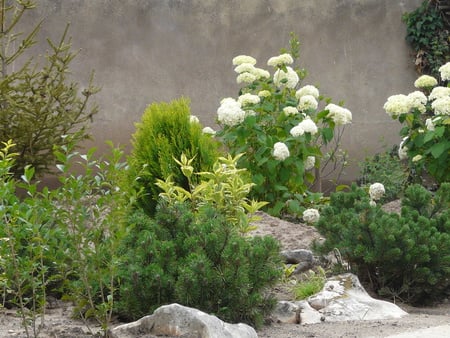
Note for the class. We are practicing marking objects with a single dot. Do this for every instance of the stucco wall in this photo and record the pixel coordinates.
(145, 51)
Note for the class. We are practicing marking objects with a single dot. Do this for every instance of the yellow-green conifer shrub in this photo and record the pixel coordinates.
(165, 132)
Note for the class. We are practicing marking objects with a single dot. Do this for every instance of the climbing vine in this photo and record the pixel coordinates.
(428, 33)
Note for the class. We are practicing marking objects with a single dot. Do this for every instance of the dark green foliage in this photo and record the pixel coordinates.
(406, 255)
(196, 260)
(428, 33)
(38, 105)
(386, 169)
(164, 133)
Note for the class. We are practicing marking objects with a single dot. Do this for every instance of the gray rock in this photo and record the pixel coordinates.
(304, 258)
(175, 320)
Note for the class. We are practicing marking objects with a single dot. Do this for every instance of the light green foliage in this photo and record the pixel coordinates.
(38, 104)
(93, 202)
(198, 260)
(25, 235)
(285, 184)
(225, 188)
(428, 32)
(405, 256)
(309, 284)
(62, 242)
(386, 169)
(165, 133)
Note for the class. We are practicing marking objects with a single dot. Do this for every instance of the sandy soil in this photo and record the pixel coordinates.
(58, 321)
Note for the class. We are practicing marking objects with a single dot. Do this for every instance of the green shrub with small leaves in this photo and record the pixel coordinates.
(196, 259)
(387, 169)
(165, 132)
(405, 256)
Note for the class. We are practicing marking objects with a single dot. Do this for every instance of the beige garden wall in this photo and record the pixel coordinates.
(146, 51)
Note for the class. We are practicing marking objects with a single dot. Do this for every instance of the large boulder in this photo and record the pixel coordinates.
(175, 320)
(342, 299)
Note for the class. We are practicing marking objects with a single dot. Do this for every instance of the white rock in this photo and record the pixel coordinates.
(178, 320)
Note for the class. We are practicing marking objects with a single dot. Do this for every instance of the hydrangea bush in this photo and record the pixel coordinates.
(425, 114)
(280, 127)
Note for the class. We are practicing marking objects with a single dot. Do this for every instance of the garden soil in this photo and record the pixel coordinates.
(59, 322)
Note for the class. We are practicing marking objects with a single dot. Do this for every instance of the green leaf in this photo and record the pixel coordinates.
(438, 149)
(327, 134)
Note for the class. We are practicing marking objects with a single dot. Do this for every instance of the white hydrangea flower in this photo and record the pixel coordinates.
(310, 162)
(280, 151)
(445, 72)
(290, 110)
(246, 77)
(418, 100)
(403, 150)
(297, 131)
(248, 99)
(264, 93)
(244, 67)
(340, 115)
(311, 216)
(240, 59)
(441, 106)
(397, 105)
(261, 73)
(291, 76)
(308, 126)
(429, 124)
(208, 130)
(307, 90)
(417, 158)
(376, 191)
(372, 203)
(193, 119)
(425, 81)
(230, 113)
(283, 59)
(439, 92)
(307, 102)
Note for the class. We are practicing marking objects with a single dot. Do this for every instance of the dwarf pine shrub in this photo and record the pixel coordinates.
(407, 255)
(198, 260)
(164, 133)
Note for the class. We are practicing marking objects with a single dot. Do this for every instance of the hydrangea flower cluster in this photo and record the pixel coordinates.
(230, 112)
(340, 115)
(311, 216)
(280, 151)
(425, 81)
(445, 72)
(376, 191)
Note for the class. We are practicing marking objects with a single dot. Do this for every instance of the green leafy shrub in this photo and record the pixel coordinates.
(281, 131)
(424, 115)
(62, 242)
(198, 260)
(427, 31)
(387, 169)
(38, 104)
(165, 132)
(405, 256)
(90, 209)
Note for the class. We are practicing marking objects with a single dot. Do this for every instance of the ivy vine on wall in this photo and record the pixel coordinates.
(428, 33)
